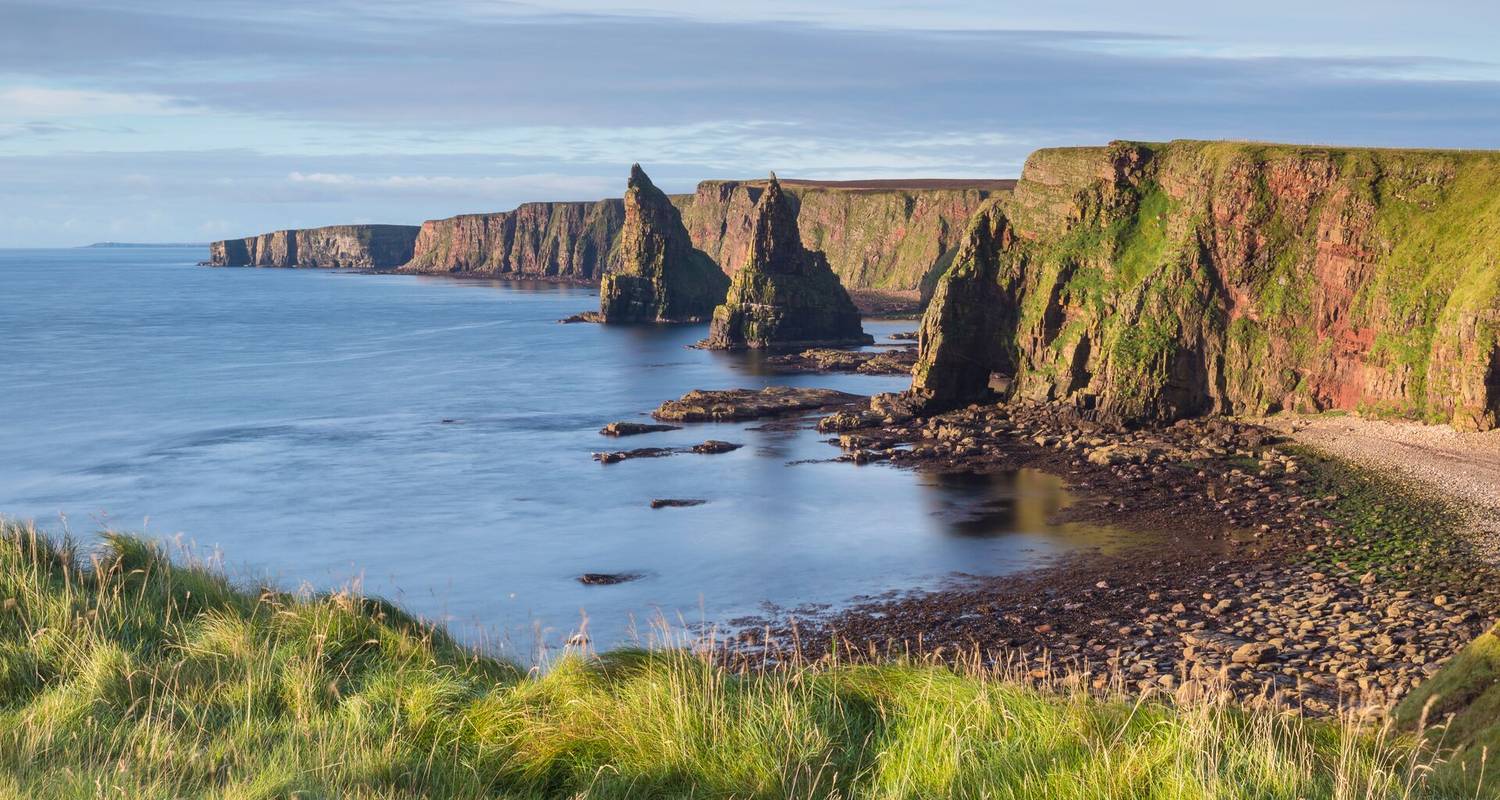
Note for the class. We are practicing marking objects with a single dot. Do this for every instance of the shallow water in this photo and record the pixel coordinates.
(430, 439)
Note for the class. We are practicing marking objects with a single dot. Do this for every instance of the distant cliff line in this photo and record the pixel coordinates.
(891, 235)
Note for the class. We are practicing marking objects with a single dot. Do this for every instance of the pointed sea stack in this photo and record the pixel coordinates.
(659, 276)
(785, 295)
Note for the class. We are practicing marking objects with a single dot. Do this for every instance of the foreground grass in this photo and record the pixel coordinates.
(122, 675)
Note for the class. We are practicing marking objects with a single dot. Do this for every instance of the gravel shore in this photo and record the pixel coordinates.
(1462, 466)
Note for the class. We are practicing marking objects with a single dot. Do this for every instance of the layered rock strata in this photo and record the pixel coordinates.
(335, 246)
(1148, 282)
(658, 275)
(887, 235)
(785, 295)
(567, 241)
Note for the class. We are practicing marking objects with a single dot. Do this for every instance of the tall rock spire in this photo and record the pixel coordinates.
(785, 295)
(658, 276)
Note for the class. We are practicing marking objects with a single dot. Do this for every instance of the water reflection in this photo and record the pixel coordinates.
(1008, 503)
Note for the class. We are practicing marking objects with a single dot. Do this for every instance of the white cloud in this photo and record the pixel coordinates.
(30, 103)
(544, 185)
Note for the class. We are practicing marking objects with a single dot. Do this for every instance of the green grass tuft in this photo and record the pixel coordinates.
(122, 674)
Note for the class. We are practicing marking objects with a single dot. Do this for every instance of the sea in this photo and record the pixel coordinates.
(429, 440)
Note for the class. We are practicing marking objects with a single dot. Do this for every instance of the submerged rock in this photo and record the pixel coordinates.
(785, 295)
(635, 428)
(715, 446)
(741, 404)
(675, 503)
(660, 276)
(608, 578)
(617, 456)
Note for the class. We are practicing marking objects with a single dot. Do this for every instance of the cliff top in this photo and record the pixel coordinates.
(879, 185)
(1235, 146)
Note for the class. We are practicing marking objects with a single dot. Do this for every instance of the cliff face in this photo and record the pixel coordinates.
(543, 240)
(1155, 281)
(784, 295)
(340, 246)
(892, 235)
(876, 234)
(658, 276)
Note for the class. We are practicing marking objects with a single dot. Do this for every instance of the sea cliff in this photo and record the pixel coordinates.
(1148, 282)
(887, 235)
(570, 240)
(335, 246)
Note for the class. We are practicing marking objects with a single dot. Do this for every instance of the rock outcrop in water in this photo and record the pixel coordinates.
(658, 275)
(785, 295)
(335, 246)
(1149, 282)
(567, 241)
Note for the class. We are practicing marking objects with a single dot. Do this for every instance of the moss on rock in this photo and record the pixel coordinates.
(785, 295)
(660, 277)
(1156, 281)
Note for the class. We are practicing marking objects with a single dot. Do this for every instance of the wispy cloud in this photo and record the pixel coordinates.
(269, 113)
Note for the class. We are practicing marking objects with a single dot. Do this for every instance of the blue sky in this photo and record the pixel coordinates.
(154, 120)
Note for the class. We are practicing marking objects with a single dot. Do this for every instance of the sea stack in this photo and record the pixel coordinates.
(659, 276)
(785, 295)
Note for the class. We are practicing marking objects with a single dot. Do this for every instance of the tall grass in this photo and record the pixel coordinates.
(124, 675)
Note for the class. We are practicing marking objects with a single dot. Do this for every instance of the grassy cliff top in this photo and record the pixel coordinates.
(879, 185)
(123, 674)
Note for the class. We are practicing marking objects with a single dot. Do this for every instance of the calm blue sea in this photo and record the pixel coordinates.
(430, 440)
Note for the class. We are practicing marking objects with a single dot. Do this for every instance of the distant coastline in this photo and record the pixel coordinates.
(144, 244)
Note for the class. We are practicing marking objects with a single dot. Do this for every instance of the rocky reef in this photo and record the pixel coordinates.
(335, 246)
(888, 235)
(568, 241)
(1148, 282)
(785, 295)
(658, 275)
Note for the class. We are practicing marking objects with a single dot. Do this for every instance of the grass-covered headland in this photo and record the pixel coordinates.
(124, 675)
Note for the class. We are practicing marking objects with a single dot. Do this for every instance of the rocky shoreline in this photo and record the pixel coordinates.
(1266, 575)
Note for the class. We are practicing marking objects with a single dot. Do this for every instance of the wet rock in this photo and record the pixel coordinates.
(879, 362)
(715, 446)
(617, 456)
(741, 404)
(635, 428)
(584, 316)
(676, 503)
(608, 578)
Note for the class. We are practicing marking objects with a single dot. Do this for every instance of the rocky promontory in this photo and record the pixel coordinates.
(557, 241)
(658, 275)
(335, 246)
(1148, 282)
(785, 295)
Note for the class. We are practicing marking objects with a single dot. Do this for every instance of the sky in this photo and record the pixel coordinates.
(148, 120)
